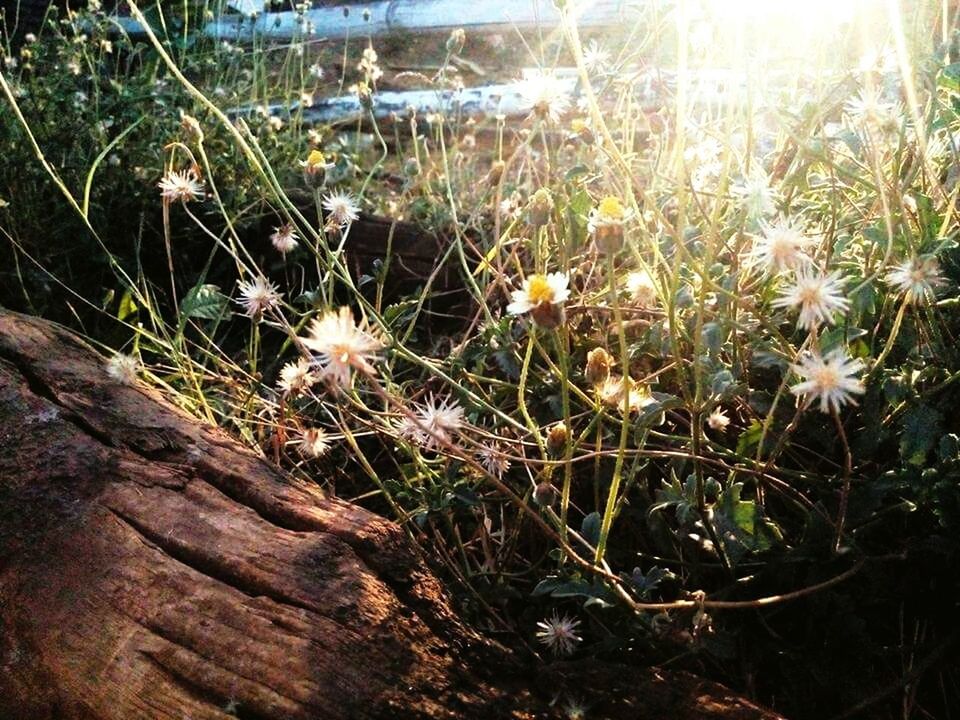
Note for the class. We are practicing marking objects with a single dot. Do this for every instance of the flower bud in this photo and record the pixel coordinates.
(597, 369)
(191, 127)
(557, 438)
(456, 41)
(496, 172)
(545, 494)
(540, 207)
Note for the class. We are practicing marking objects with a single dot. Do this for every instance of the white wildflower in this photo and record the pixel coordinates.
(559, 634)
(755, 195)
(258, 296)
(284, 238)
(123, 368)
(831, 379)
(493, 459)
(435, 423)
(547, 95)
(539, 290)
(314, 442)
(917, 279)
(641, 288)
(295, 377)
(596, 58)
(718, 420)
(342, 208)
(818, 296)
(780, 247)
(341, 345)
(183, 185)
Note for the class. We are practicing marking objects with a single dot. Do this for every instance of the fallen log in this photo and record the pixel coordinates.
(153, 568)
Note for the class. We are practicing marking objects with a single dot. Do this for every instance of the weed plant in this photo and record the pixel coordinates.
(691, 398)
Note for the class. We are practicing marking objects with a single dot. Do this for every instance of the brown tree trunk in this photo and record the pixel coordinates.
(151, 567)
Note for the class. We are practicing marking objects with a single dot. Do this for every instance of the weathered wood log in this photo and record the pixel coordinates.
(152, 568)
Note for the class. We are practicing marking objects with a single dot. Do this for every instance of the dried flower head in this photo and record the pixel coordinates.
(916, 278)
(819, 297)
(641, 288)
(296, 377)
(559, 634)
(123, 368)
(558, 435)
(780, 247)
(284, 238)
(546, 94)
(314, 442)
(181, 185)
(831, 379)
(341, 345)
(540, 207)
(493, 459)
(342, 209)
(597, 369)
(258, 296)
(434, 424)
(718, 420)
(625, 394)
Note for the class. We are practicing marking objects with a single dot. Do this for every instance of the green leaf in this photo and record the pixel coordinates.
(950, 77)
(749, 438)
(921, 430)
(590, 529)
(127, 306)
(205, 302)
(742, 526)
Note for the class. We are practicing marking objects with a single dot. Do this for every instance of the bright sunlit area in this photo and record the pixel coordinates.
(516, 359)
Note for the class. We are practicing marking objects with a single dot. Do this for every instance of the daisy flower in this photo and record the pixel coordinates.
(819, 297)
(183, 185)
(780, 246)
(755, 195)
(605, 223)
(123, 368)
(342, 208)
(436, 423)
(641, 288)
(559, 634)
(831, 379)
(341, 345)
(258, 296)
(284, 238)
(314, 442)
(295, 377)
(547, 95)
(917, 278)
(542, 296)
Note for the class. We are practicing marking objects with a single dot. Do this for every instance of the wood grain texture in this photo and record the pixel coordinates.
(151, 567)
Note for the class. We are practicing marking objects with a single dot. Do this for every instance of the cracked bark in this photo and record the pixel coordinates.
(151, 567)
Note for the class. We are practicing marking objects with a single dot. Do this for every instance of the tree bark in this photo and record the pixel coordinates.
(151, 567)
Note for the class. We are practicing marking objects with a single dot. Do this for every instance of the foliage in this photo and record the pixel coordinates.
(699, 353)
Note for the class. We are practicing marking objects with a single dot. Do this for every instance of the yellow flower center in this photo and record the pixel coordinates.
(315, 159)
(578, 125)
(539, 290)
(611, 208)
(827, 378)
